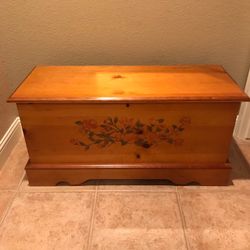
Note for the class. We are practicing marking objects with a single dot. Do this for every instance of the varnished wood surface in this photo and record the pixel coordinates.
(128, 166)
(128, 84)
(51, 175)
(50, 128)
(53, 100)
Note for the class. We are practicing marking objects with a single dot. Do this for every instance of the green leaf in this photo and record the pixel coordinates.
(174, 126)
(91, 139)
(143, 143)
(82, 143)
(138, 124)
(139, 142)
(90, 133)
(146, 145)
(78, 122)
(170, 141)
(123, 142)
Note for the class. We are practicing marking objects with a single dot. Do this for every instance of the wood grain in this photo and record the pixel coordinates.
(50, 175)
(54, 101)
(49, 129)
(90, 84)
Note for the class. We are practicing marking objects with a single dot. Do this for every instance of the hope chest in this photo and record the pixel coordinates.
(128, 122)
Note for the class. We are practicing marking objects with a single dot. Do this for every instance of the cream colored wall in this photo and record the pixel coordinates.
(7, 112)
(120, 32)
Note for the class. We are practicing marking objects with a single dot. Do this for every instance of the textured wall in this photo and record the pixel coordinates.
(121, 32)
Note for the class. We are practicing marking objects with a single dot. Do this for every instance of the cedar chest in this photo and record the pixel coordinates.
(128, 122)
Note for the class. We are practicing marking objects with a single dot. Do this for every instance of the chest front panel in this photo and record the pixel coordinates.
(128, 133)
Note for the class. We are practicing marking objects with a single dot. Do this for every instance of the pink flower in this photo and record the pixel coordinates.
(89, 124)
(185, 120)
(151, 120)
(74, 141)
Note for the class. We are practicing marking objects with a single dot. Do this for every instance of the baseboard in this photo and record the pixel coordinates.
(9, 140)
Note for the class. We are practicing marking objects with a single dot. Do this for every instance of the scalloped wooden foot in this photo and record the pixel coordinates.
(179, 174)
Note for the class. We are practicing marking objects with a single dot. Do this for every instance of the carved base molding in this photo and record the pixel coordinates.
(179, 174)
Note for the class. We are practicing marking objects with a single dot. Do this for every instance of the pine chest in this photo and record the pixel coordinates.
(128, 122)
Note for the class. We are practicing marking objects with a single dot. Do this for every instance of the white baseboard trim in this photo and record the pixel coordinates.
(242, 127)
(9, 140)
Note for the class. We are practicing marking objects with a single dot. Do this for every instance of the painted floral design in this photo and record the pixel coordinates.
(124, 131)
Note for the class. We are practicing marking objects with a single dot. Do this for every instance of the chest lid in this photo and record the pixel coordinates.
(82, 84)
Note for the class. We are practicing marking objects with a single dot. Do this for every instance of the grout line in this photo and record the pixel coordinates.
(176, 190)
(7, 211)
(98, 186)
(136, 191)
(92, 219)
(16, 192)
(20, 182)
(183, 221)
(58, 191)
(171, 189)
(235, 189)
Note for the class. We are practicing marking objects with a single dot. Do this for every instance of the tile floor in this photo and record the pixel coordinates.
(104, 216)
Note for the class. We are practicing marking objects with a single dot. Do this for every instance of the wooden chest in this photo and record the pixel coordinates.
(128, 122)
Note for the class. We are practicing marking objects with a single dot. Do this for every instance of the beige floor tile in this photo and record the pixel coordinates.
(135, 220)
(47, 221)
(217, 220)
(5, 200)
(13, 169)
(135, 185)
(86, 187)
(242, 184)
